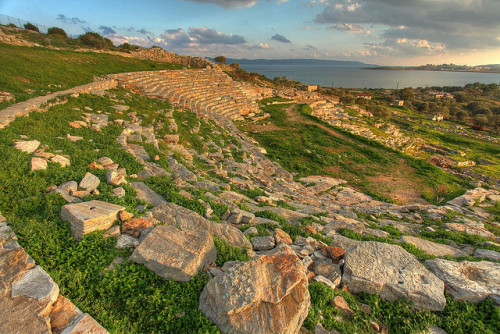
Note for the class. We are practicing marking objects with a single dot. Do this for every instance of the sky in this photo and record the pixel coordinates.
(384, 32)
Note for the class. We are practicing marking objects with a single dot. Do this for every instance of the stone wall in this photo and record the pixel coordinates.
(8, 114)
(29, 299)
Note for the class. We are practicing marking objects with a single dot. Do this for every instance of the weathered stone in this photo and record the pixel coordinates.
(324, 269)
(267, 294)
(175, 254)
(251, 231)
(90, 216)
(84, 325)
(433, 248)
(126, 241)
(487, 253)
(282, 237)
(469, 229)
(115, 179)
(326, 281)
(69, 186)
(468, 281)
(119, 192)
(62, 314)
(340, 303)
(38, 164)
(263, 243)
(334, 253)
(27, 146)
(188, 220)
(89, 182)
(113, 231)
(146, 194)
(63, 161)
(124, 216)
(135, 226)
(37, 284)
(391, 272)
(152, 169)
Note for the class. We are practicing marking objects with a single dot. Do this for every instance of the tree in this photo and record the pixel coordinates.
(407, 94)
(57, 32)
(379, 111)
(220, 59)
(31, 26)
(95, 40)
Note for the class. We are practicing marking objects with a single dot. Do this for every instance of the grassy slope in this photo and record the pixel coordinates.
(308, 146)
(44, 70)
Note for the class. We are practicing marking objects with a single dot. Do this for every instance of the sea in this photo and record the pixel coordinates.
(354, 76)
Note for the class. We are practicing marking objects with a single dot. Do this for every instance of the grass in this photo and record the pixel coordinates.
(305, 145)
(398, 316)
(27, 72)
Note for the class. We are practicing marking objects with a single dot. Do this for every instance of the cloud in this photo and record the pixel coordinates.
(442, 24)
(280, 38)
(349, 27)
(204, 35)
(229, 4)
(304, 28)
(68, 20)
(260, 46)
(105, 30)
(309, 47)
(140, 31)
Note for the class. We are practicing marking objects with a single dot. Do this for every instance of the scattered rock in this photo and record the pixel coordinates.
(251, 231)
(340, 303)
(63, 161)
(263, 243)
(27, 146)
(89, 182)
(119, 192)
(433, 248)
(391, 272)
(135, 226)
(146, 194)
(124, 216)
(38, 164)
(113, 231)
(282, 237)
(487, 253)
(115, 179)
(468, 281)
(175, 254)
(126, 241)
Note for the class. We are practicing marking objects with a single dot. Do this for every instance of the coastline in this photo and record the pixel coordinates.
(387, 68)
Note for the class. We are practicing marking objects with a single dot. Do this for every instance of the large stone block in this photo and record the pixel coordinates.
(175, 254)
(90, 216)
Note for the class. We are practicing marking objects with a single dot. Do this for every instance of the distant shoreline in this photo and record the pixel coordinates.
(397, 68)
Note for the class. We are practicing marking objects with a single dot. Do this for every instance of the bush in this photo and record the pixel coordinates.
(31, 26)
(127, 47)
(11, 25)
(95, 40)
(220, 59)
(57, 32)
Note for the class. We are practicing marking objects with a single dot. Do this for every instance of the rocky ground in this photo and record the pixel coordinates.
(171, 188)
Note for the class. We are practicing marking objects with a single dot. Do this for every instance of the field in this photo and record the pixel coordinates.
(307, 146)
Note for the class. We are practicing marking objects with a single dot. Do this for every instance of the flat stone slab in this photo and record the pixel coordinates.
(488, 253)
(175, 254)
(90, 216)
(392, 272)
(37, 284)
(28, 146)
(89, 182)
(146, 194)
(468, 281)
(152, 169)
(433, 248)
(139, 152)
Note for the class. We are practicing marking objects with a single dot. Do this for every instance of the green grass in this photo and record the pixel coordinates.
(45, 70)
(399, 316)
(309, 146)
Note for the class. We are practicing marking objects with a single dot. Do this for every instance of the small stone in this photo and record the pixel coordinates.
(89, 182)
(282, 237)
(105, 161)
(251, 231)
(135, 226)
(119, 192)
(38, 164)
(263, 243)
(334, 253)
(73, 138)
(27, 146)
(75, 125)
(324, 269)
(63, 161)
(124, 216)
(115, 179)
(69, 186)
(340, 303)
(326, 281)
(156, 157)
(126, 241)
(113, 231)
(375, 326)
(365, 308)
(80, 194)
(95, 192)
(310, 229)
(95, 165)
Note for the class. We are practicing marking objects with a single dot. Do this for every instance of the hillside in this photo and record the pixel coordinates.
(183, 201)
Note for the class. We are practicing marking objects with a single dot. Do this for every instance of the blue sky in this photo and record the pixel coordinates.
(392, 32)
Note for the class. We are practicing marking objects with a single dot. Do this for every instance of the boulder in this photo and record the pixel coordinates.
(468, 281)
(135, 226)
(282, 237)
(85, 324)
(267, 294)
(433, 248)
(188, 220)
(488, 253)
(391, 272)
(146, 194)
(115, 179)
(126, 241)
(175, 254)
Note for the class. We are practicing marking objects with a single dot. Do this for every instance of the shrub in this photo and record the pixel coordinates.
(220, 59)
(127, 47)
(57, 32)
(31, 26)
(95, 40)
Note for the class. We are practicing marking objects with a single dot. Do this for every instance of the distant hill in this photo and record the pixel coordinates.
(296, 62)
(491, 68)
